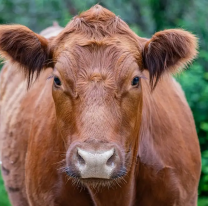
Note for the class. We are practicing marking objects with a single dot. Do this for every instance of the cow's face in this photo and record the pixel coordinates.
(97, 91)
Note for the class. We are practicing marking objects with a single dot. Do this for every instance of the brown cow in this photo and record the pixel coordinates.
(99, 126)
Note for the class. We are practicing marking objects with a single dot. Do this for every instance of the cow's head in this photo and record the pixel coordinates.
(98, 66)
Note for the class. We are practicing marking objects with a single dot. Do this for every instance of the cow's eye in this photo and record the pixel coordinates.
(57, 81)
(135, 81)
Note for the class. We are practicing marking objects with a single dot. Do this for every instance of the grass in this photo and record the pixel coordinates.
(5, 202)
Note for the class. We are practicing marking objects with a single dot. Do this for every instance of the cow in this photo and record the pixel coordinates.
(92, 116)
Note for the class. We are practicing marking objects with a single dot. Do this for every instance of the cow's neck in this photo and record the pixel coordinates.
(122, 194)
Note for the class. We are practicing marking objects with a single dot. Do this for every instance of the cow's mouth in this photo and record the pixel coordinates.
(116, 179)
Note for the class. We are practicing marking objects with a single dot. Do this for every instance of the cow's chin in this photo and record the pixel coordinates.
(98, 183)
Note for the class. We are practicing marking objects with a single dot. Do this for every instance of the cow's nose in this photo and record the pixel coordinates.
(96, 164)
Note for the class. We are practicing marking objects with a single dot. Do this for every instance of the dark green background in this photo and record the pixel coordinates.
(145, 17)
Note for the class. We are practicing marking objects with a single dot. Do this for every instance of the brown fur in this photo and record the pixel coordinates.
(168, 50)
(96, 57)
(20, 44)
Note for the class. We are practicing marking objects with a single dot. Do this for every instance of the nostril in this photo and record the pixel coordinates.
(111, 160)
(80, 159)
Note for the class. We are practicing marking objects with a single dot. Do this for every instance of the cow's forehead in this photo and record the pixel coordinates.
(106, 56)
(97, 40)
(121, 42)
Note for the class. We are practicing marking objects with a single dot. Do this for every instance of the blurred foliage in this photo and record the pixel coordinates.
(3, 195)
(145, 17)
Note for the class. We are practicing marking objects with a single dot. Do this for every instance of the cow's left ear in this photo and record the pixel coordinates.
(168, 51)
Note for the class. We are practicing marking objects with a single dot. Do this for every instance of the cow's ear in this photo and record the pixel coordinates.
(168, 51)
(21, 45)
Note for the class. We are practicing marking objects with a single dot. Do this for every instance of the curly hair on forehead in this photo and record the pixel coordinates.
(97, 23)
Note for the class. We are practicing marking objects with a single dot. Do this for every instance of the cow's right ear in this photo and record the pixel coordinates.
(21, 45)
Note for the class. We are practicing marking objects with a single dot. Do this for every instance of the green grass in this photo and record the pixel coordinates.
(5, 202)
